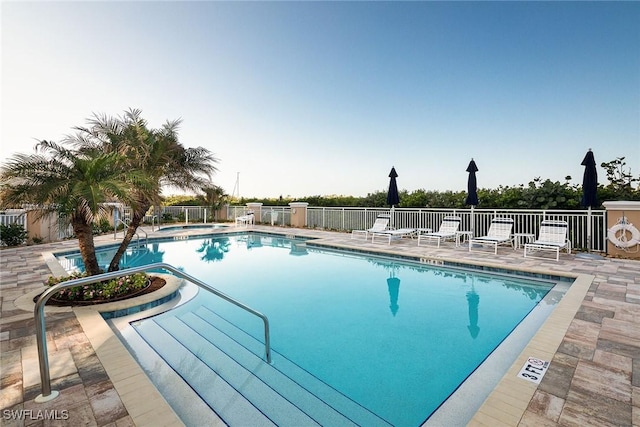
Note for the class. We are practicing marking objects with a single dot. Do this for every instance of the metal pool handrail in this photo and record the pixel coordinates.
(47, 393)
(124, 231)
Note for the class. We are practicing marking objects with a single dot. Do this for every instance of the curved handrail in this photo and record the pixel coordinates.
(38, 311)
(124, 231)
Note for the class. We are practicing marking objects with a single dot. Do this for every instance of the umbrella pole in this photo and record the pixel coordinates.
(589, 243)
(392, 217)
(473, 223)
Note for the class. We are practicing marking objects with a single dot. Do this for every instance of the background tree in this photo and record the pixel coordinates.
(74, 185)
(548, 194)
(621, 182)
(214, 197)
(537, 194)
(377, 199)
(183, 200)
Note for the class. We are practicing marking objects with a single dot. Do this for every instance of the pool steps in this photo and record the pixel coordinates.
(248, 377)
(202, 379)
(336, 400)
(186, 342)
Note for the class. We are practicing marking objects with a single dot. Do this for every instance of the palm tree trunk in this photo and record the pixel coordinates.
(136, 220)
(84, 233)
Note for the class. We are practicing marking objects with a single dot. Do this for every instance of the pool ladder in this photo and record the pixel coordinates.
(41, 339)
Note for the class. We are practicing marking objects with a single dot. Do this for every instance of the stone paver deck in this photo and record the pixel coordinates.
(593, 379)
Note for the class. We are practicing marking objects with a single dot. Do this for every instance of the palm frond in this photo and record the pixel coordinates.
(110, 158)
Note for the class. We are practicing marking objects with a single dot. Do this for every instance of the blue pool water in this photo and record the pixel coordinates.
(396, 338)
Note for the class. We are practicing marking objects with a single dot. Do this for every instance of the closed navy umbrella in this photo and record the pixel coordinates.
(589, 181)
(393, 198)
(589, 190)
(472, 190)
(472, 185)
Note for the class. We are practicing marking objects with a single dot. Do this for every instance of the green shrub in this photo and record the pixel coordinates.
(12, 234)
(107, 290)
(105, 226)
(102, 227)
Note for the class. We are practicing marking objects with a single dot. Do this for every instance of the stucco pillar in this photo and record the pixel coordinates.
(298, 214)
(623, 225)
(40, 226)
(222, 213)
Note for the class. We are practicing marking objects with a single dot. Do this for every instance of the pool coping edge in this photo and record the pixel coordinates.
(142, 400)
(509, 400)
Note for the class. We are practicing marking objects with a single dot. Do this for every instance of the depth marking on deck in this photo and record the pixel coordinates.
(533, 370)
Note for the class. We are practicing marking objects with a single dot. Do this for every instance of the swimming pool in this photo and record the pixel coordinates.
(382, 340)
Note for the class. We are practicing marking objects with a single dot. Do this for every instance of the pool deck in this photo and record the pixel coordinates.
(592, 340)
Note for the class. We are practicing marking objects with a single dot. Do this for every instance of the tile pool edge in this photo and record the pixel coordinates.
(143, 401)
(484, 266)
(509, 400)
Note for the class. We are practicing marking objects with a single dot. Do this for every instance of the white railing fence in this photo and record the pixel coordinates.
(274, 215)
(65, 230)
(478, 220)
(185, 214)
(358, 218)
(14, 216)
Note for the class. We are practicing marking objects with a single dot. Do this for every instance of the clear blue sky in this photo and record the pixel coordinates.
(320, 98)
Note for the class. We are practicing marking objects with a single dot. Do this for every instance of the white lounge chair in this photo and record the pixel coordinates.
(393, 234)
(552, 238)
(499, 233)
(381, 224)
(448, 229)
(270, 217)
(245, 220)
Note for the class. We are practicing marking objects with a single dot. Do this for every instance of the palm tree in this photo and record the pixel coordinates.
(75, 185)
(155, 153)
(214, 197)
